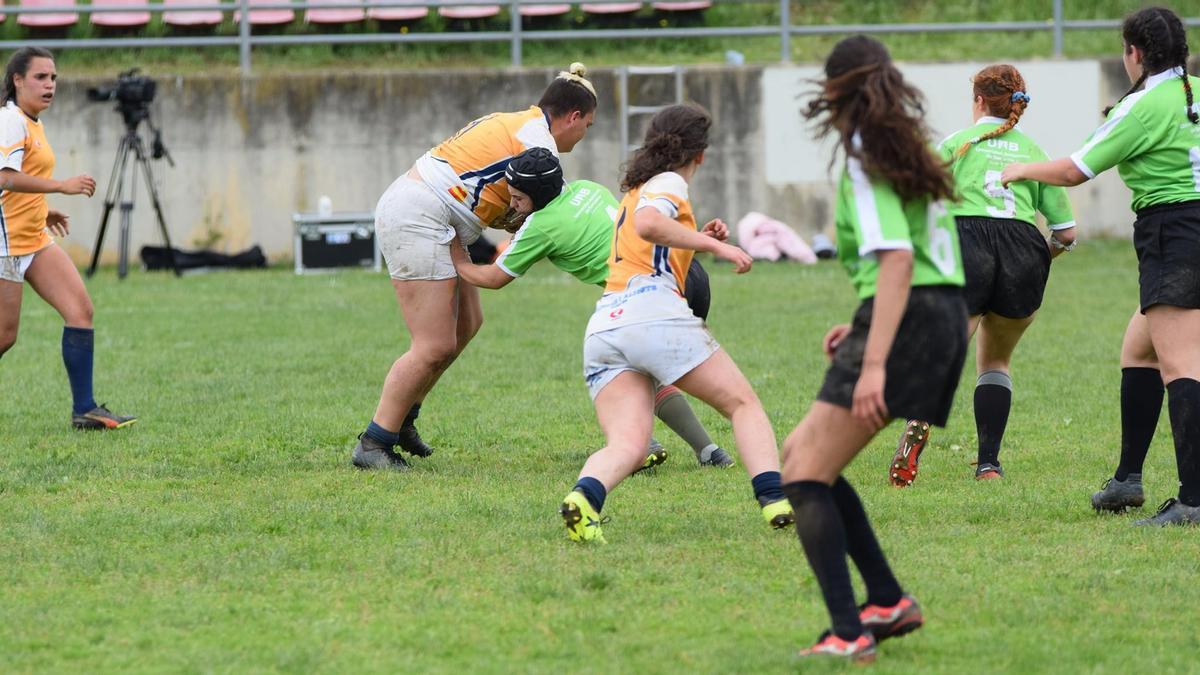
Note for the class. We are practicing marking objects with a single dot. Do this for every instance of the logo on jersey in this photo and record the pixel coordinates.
(616, 314)
(458, 193)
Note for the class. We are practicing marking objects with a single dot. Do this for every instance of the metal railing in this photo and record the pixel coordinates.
(516, 35)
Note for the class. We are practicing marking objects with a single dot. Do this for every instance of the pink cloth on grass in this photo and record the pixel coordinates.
(765, 238)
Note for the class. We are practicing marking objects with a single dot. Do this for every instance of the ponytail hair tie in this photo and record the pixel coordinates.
(1020, 96)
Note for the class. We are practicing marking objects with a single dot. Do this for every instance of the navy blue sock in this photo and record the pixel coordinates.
(78, 345)
(768, 487)
(593, 490)
(411, 418)
(378, 433)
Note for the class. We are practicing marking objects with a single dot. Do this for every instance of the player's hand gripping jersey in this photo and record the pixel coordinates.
(574, 231)
(24, 148)
(1150, 139)
(977, 177)
(467, 169)
(646, 281)
(871, 218)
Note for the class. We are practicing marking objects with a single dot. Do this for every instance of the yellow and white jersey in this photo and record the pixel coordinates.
(646, 280)
(24, 148)
(631, 255)
(467, 169)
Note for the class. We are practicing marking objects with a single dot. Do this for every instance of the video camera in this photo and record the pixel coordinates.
(133, 94)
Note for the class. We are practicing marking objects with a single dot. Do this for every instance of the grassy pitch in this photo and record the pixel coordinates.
(226, 531)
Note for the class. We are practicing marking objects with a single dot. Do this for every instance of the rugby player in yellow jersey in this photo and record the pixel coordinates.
(643, 334)
(457, 188)
(27, 252)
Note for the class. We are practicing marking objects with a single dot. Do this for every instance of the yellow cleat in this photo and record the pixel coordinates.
(778, 514)
(583, 522)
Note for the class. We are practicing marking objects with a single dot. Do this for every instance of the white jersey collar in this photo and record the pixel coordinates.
(988, 119)
(1158, 78)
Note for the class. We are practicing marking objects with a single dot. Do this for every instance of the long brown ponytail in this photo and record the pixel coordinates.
(864, 95)
(676, 136)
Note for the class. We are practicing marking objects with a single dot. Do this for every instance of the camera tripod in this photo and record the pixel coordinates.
(131, 143)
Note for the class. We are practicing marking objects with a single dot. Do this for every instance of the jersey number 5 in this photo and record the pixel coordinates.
(993, 188)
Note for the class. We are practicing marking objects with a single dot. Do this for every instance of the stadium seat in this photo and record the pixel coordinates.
(334, 15)
(544, 10)
(191, 18)
(613, 8)
(467, 12)
(397, 13)
(120, 19)
(694, 6)
(266, 16)
(55, 20)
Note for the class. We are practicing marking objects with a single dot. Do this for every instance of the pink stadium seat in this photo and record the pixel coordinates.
(120, 19)
(545, 10)
(333, 15)
(470, 12)
(267, 16)
(398, 13)
(694, 6)
(612, 8)
(191, 17)
(48, 20)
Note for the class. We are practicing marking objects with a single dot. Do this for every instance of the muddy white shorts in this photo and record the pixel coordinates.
(14, 267)
(413, 228)
(664, 351)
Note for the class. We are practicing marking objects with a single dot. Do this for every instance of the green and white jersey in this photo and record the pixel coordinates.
(977, 177)
(871, 217)
(574, 231)
(1152, 142)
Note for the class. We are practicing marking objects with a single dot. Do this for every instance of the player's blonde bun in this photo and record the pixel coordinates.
(575, 73)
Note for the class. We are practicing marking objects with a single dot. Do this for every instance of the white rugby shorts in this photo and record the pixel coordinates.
(664, 351)
(14, 267)
(413, 228)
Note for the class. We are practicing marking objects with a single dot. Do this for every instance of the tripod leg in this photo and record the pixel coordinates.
(162, 223)
(115, 185)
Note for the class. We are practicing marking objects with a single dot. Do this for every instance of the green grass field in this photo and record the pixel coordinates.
(227, 533)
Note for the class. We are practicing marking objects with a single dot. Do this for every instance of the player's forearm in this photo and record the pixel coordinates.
(15, 181)
(656, 228)
(891, 299)
(1054, 172)
(483, 276)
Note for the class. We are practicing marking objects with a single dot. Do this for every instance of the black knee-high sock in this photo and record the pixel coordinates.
(1141, 404)
(863, 547)
(1183, 404)
(993, 400)
(823, 536)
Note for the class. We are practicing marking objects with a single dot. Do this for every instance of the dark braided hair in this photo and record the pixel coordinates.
(1159, 33)
(18, 64)
(864, 94)
(676, 136)
(1003, 92)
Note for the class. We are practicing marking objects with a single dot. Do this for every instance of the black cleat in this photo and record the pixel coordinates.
(715, 457)
(1119, 495)
(410, 442)
(1173, 512)
(371, 454)
(101, 417)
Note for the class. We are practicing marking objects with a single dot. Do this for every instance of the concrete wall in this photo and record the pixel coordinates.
(249, 152)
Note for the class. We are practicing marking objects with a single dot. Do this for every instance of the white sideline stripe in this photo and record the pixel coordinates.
(868, 213)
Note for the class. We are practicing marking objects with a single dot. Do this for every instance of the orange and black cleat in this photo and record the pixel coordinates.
(888, 622)
(908, 453)
(860, 650)
(101, 417)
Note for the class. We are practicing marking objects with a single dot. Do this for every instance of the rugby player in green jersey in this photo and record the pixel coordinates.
(904, 351)
(1152, 136)
(1005, 258)
(571, 225)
